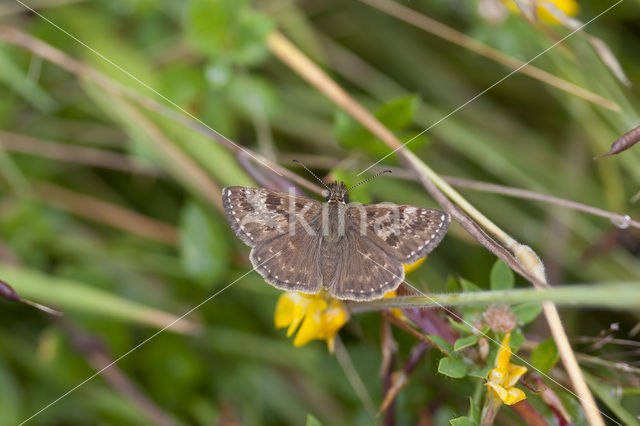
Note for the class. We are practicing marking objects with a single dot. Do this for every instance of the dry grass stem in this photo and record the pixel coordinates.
(109, 214)
(15, 142)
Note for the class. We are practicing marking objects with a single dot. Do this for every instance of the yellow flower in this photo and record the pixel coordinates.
(503, 378)
(317, 317)
(415, 265)
(568, 7)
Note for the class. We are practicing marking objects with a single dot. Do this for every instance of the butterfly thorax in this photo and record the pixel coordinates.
(333, 230)
(338, 193)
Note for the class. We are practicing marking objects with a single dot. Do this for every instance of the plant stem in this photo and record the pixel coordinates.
(602, 296)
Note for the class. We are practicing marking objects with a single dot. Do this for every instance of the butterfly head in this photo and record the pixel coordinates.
(338, 193)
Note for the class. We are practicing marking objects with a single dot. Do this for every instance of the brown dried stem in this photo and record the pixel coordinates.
(100, 211)
(24, 144)
(520, 257)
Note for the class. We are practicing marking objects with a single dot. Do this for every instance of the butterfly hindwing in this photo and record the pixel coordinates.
(258, 214)
(364, 271)
(406, 233)
(290, 262)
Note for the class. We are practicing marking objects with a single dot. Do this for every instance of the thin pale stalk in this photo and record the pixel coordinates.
(354, 378)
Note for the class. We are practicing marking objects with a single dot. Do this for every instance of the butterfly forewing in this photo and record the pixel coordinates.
(406, 233)
(282, 229)
(258, 214)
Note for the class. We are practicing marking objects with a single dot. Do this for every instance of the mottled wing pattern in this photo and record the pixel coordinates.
(364, 271)
(406, 233)
(258, 214)
(284, 253)
(290, 262)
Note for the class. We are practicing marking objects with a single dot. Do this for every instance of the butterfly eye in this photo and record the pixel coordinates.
(325, 193)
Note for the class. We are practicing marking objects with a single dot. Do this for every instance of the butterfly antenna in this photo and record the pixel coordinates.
(311, 173)
(367, 180)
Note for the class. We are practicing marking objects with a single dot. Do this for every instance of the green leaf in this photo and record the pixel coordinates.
(451, 285)
(398, 113)
(352, 134)
(349, 132)
(465, 342)
(474, 408)
(440, 342)
(14, 77)
(527, 312)
(545, 355)
(462, 421)
(253, 96)
(460, 327)
(312, 421)
(395, 115)
(501, 277)
(228, 29)
(252, 29)
(72, 296)
(517, 339)
(204, 250)
(468, 286)
(480, 373)
(453, 367)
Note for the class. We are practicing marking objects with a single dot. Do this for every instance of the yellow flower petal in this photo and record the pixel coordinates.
(316, 317)
(290, 311)
(505, 375)
(334, 318)
(509, 396)
(499, 373)
(415, 265)
(513, 375)
(331, 343)
(499, 391)
(514, 395)
(569, 7)
(311, 327)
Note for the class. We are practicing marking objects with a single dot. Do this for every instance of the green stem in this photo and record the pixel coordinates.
(601, 295)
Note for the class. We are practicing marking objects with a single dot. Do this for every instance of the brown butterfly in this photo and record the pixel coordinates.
(351, 251)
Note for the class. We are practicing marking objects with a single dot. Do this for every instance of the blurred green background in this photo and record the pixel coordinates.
(108, 212)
